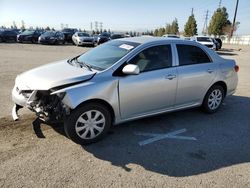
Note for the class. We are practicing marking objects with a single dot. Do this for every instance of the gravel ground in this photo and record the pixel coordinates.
(38, 155)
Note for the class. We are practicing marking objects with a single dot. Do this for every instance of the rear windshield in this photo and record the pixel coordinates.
(107, 54)
(203, 39)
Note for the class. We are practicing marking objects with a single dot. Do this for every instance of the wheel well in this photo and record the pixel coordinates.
(223, 85)
(104, 103)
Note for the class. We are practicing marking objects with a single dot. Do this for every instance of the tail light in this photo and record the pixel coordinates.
(236, 68)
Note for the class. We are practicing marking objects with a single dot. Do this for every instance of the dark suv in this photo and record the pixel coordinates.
(51, 37)
(29, 36)
(8, 35)
(103, 37)
(68, 33)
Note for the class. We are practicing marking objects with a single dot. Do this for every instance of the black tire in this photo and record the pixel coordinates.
(33, 41)
(71, 123)
(1, 40)
(206, 106)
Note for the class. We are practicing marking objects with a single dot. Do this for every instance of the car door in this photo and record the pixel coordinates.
(196, 72)
(154, 88)
(13, 35)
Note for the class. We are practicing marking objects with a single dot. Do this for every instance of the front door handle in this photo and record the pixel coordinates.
(170, 76)
(210, 71)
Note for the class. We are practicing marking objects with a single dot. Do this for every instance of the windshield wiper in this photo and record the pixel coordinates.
(85, 65)
(81, 63)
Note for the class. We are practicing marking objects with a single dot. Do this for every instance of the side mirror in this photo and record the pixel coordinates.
(131, 69)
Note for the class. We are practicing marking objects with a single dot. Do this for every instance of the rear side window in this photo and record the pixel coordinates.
(189, 55)
(153, 58)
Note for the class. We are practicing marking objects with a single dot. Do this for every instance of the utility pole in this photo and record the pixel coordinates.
(204, 31)
(100, 25)
(91, 26)
(192, 11)
(235, 13)
(220, 4)
(96, 25)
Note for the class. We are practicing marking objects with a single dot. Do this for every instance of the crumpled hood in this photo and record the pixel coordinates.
(52, 75)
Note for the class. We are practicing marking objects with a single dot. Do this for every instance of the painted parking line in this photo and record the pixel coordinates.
(157, 137)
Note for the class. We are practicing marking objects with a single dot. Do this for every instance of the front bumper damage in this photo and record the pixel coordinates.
(46, 106)
(14, 113)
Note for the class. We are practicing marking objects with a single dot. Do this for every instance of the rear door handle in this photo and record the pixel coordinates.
(170, 76)
(210, 71)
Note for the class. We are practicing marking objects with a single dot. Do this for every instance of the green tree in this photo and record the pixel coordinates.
(168, 29)
(175, 27)
(219, 23)
(156, 32)
(190, 28)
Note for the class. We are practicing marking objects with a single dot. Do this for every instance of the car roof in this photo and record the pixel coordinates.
(149, 39)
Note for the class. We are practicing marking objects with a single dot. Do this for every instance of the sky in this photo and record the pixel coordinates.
(118, 15)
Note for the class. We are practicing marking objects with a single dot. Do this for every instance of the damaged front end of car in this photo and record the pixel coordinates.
(46, 105)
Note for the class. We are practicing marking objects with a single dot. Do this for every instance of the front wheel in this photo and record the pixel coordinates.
(88, 123)
(213, 99)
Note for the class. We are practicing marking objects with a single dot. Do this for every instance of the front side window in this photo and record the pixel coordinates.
(189, 54)
(153, 58)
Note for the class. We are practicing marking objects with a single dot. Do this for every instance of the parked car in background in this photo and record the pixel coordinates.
(29, 36)
(219, 41)
(117, 36)
(95, 36)
(206, 41)
(123, 80)
(171, 36)
(82, 38)
(103, 37)
(51, 37)
(217, 45)
(8, 36)
(68, 33)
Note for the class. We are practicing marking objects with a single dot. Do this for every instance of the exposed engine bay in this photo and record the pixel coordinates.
(46, 106)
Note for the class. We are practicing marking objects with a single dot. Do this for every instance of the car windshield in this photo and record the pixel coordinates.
(28, 32)
(68, 30)
(105, 34)
(203, 39)
(48, 33)
(105, 55)
(83, 34)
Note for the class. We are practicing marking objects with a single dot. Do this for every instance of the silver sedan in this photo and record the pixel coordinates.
(82, 38)
(123, 80)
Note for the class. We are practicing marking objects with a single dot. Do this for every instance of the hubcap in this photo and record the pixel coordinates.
(90, 124)
(214, 99)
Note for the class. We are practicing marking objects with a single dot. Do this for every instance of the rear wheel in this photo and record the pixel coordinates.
(88, 123)
(1, 40)
(213, 99)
